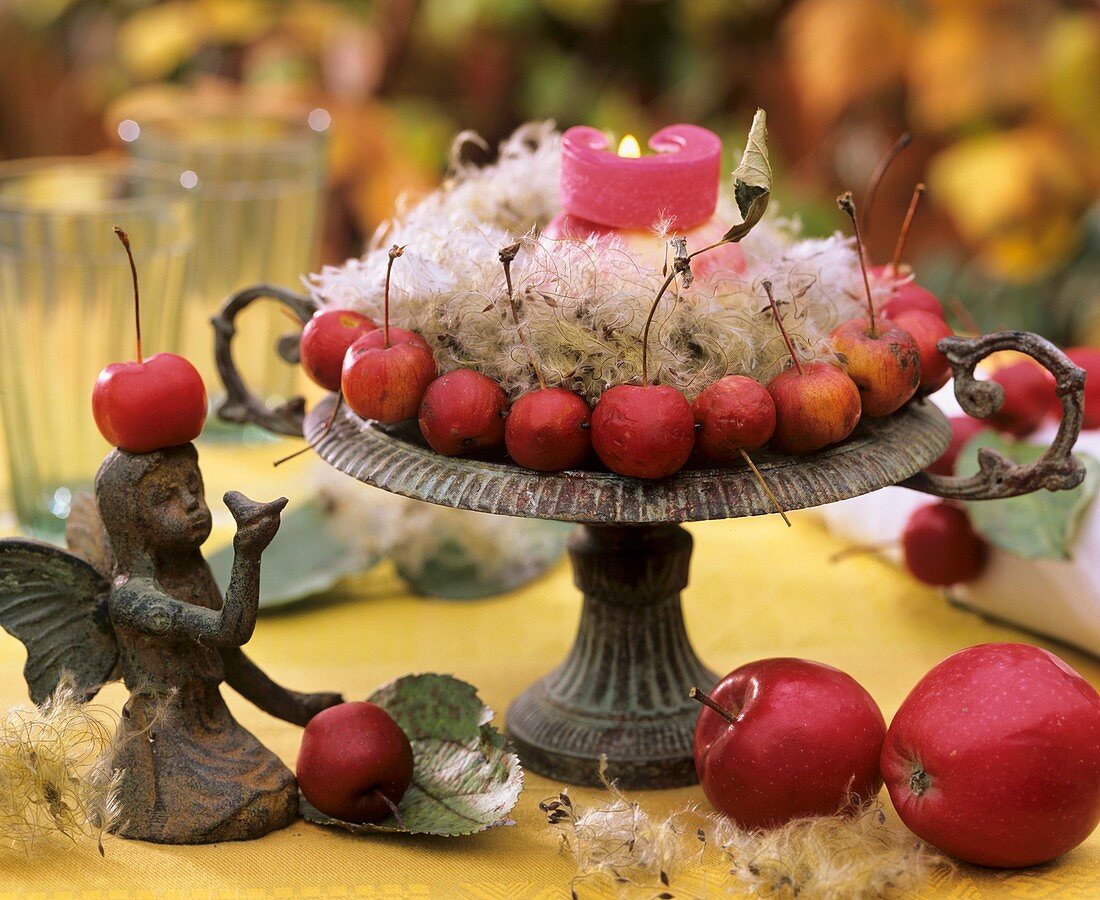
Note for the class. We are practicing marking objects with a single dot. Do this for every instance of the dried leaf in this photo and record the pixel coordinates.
(752, 179)
(465, 780)
(1040, 525)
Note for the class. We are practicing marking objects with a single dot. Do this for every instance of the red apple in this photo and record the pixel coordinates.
(1028, 389)
(145, 406)
(1087, 358)
(815, 406)
(994, 757)
(387, 383)
(463, 412)
(905, 295)
(883, 361)
(548, 430)
(643, 431)
(325, 341)
(733, 414)
(963, 428)
(926, 329)
(800, 738)
(941, 547)
(351, 755)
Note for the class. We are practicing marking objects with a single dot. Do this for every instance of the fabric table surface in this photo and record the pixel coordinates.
(757, 590)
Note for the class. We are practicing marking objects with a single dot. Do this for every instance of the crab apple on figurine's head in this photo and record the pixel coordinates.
(151, 403)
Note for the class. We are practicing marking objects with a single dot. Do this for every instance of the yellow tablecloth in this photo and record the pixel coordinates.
(757, 590)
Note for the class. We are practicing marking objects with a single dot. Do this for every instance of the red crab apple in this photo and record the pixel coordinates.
(148, 405)
(463, 412)
(905, 294)
(735, 413)
(353, 758)
(883, 360)
(387, 370)
(994, 757)
(926, 329)
(152, 403)
(386, 381)
(816, 404)
(785, 738)
(645, 431)
(548, 430)
(325, 341)
(941, 547)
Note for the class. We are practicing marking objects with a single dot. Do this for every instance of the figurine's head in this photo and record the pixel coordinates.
(152, 502)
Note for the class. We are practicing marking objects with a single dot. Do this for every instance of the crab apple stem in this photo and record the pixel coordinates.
(879, 173)
(125, 238)
(395, 252)
(324, 433)
(507, 254)
(903, 236)
(862, 550)
(764, 485)
(649, 321)
(710, 703)
(393, 809)
(782, 330)
(846, 203)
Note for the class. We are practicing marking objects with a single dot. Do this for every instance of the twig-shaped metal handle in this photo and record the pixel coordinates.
(240, 404)
(1057, 469)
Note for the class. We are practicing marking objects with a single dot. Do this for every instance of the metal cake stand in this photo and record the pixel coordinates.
(622, 691)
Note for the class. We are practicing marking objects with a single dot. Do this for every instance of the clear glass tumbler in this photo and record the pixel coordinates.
(66, 309)
(261, 179)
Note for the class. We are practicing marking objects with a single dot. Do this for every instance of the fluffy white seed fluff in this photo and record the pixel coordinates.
(583, 304)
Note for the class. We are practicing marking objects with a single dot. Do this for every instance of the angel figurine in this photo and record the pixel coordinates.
(140, 602)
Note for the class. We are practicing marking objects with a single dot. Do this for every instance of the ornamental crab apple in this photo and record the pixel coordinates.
(355, 762)
(152, 403)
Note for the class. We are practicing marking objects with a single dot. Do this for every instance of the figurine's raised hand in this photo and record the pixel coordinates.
(257, 523)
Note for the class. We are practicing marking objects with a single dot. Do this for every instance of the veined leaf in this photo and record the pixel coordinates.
(1040, 525)
(465, 779)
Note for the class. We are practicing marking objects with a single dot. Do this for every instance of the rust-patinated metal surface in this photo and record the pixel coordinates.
(155, 618)
(622, 690)
(881, 452)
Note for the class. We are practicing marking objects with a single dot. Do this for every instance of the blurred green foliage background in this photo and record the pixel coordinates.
(1002, 98)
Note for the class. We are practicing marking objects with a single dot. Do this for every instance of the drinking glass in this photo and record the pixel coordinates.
(66, 309)
(261, 178)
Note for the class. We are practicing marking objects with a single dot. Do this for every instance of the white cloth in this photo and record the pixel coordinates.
(1054, 598)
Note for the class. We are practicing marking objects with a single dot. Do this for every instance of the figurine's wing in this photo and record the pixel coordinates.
(87, 537)
(56, 604)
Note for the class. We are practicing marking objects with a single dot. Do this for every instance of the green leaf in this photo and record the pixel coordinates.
(464, 555)
(752, 180)
(465, 779)
(1040, 525)
(308, 556)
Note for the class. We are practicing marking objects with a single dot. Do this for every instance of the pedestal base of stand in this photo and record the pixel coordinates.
(623, 690)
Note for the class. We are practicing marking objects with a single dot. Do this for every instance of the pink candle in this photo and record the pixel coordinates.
(679, 180)
(605, 195)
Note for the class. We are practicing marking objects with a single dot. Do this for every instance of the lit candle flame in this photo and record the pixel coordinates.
(629, 147)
